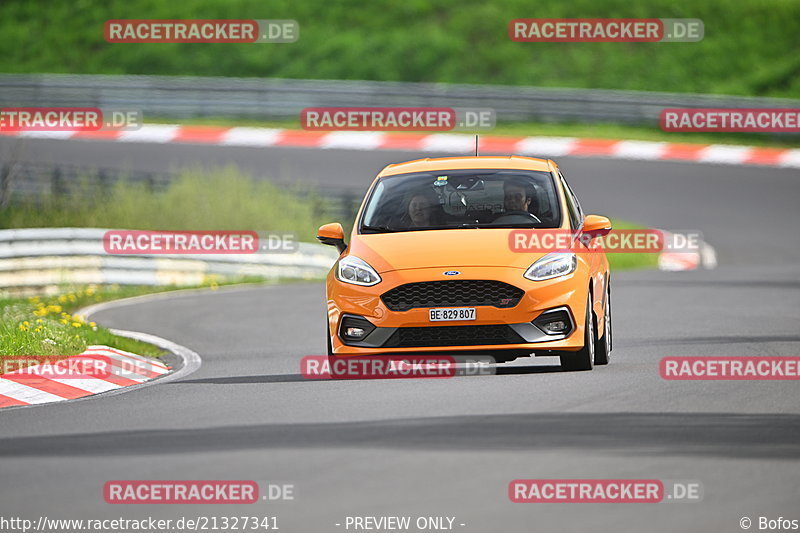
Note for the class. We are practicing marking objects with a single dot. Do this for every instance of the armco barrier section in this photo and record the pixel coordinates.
(32, 259)
(269, 98)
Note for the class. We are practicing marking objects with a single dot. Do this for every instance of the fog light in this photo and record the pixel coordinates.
(355, 329)
(554, 322)
(355, 333)
(556, 326)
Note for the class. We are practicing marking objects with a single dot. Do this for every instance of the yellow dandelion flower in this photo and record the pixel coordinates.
(76, 324)
(22, 327)
(92, 325)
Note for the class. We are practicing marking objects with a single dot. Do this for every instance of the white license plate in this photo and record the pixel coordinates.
(451, 313)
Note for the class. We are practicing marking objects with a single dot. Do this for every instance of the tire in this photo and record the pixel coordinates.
(583, 359)
(602, 350)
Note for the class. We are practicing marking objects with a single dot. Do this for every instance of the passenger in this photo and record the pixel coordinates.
(422, 211)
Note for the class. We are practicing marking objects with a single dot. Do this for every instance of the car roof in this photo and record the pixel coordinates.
(515, 162)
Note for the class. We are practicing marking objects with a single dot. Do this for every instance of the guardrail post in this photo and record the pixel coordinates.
(103, 182)
(5, 185)
(57, 185)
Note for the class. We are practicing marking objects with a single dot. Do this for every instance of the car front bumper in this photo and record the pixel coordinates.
(494, 328)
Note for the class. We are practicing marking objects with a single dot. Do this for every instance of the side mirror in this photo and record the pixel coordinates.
(332, 234)
(596, 225)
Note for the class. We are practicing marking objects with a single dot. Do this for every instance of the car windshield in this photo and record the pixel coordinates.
(462, 199)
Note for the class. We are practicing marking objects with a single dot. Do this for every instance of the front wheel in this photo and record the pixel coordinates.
(603, 348)
(583, 359)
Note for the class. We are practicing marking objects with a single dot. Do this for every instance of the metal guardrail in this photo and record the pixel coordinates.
(38, 258)
(268, 98)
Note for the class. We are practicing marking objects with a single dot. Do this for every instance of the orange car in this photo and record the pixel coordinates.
(429, 268)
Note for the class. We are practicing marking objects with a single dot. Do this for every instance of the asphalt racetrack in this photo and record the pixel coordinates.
(450, 447)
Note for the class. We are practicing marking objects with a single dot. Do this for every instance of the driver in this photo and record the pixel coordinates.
(517, 197)
(419, 211)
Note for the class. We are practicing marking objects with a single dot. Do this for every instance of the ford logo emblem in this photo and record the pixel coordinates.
(452, 273)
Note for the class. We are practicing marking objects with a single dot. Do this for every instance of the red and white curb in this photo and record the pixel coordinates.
(39, 384)
(440, 142)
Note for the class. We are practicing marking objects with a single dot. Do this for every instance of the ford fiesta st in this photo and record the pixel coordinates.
(428, 268)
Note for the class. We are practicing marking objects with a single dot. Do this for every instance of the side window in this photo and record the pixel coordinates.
(577, 203)
(574, 208)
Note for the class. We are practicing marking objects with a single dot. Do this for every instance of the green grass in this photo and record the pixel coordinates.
(213, 200)
(47, 327)
(750, 46)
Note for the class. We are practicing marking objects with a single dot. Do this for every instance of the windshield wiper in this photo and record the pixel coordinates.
(523, 225)
(489, 225)
(378, 229)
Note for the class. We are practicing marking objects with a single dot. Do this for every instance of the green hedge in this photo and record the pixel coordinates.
(750, 46)
(197, 200)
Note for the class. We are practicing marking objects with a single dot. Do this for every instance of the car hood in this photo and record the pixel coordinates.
(439, 249)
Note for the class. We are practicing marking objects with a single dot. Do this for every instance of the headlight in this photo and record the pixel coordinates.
(353, 270)
(552, 266)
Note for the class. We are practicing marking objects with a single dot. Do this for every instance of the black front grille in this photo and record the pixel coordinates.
(452, 293)
(453, 336)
